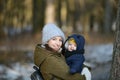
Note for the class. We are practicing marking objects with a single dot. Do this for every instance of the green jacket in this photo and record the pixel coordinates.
(53, 65)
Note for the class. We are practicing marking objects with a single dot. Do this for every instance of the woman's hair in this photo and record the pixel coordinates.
(49, 31)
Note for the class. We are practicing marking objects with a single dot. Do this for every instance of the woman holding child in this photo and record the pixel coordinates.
(48, 58)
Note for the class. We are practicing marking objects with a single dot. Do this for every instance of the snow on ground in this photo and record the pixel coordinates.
(99, 53)
(99, 58)
(17, 71)
(95, 55)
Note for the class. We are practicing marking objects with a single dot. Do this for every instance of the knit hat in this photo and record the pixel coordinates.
(72, 40)
(49, 31)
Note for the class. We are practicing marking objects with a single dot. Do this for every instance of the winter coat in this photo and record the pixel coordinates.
(75, 59)
(75, 62)
(53, 65)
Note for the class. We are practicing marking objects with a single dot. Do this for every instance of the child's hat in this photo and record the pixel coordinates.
(80, 41)
(49, 31)
(72, 40)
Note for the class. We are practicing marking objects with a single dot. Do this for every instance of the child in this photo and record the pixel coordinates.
(74, 53)
(47, 57)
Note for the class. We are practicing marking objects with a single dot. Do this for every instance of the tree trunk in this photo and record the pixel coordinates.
(1, 21)
(115, 70)
(76, 15)
(38, 14)
(58, 13)
(108, 17)
(68, 10)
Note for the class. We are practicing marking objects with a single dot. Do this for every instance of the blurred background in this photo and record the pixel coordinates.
(21, 22)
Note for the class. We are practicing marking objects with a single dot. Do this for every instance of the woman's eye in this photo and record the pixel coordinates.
(60, 40)
(53, 39)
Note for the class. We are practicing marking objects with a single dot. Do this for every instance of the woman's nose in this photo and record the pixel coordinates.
(58, 43)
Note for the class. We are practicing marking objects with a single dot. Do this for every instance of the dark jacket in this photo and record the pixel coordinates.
(76, 58)
(53, 65)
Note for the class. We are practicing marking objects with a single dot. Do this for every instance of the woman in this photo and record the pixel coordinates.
(48, 58)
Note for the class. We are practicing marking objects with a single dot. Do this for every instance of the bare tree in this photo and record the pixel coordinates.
(108, 16)
(2, 3)
(38, 14)
(58, 13)
(115, 69)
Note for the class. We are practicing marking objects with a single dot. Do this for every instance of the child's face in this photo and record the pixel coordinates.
(55, 43)
(71, 47)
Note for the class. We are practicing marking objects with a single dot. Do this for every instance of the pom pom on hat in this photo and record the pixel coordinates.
(49, 31)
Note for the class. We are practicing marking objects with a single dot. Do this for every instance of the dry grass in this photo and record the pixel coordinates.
(99, 38)
(32, 40)
(11, 56)
(14, 56)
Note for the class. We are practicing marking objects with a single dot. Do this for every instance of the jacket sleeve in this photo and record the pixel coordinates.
(59, 68)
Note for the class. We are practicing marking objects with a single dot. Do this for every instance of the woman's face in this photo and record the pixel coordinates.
(55, 43)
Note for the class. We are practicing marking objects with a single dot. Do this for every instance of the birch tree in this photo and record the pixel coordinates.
(115, 69)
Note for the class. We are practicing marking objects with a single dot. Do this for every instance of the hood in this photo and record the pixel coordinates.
(40, 54)
(80, 41)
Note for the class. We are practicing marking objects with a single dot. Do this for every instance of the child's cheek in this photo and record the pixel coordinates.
(75, 48)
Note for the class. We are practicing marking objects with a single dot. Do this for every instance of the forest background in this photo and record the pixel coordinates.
(21, 22)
